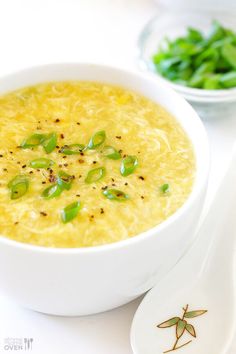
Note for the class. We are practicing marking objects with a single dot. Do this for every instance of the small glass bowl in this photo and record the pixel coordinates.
(208, 103)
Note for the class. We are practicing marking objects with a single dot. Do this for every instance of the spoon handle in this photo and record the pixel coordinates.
(221, 222)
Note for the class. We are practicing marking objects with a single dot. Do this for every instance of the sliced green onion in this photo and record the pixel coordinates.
(165, 188)
(95, 175)
(52, 191)
(115, 194)
(97, 140)
(111, 153)
(41, 163)
(70, 212)
(64, 180)
(128, 165)
(73, 149)
(18, 186)
(49, 143)
(32, 141)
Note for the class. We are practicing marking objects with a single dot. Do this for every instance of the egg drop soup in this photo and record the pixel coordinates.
(85, 164)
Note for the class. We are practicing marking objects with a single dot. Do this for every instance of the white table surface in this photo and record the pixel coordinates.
(42, 31)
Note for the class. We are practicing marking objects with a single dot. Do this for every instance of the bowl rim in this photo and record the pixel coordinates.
(193, 94)
(197, 187)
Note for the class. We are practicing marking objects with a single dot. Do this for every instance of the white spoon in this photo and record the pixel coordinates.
(200, 308)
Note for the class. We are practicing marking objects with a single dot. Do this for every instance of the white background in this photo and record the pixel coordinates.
(36, 32)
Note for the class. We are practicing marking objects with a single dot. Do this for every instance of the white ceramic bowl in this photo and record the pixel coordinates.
(89, 280)
(210, 104)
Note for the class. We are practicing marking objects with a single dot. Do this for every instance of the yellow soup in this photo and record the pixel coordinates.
(144, 163)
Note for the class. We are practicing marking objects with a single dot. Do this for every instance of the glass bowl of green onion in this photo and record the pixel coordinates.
(195, 53)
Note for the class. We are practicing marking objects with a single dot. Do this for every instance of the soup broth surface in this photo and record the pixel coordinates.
(134, 126)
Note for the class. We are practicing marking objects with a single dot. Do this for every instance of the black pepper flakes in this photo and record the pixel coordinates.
(1, 155)
(43, 182)
(141, 177)
(94, 162)
(57, 120)
(77, 195)
(118, 137)
(43, 213)
(65, 164)
(104, 188)
(24, 166)
(101, 211)
(126, 183)
(52, 179)
(81, 161)
(78, 123)
(5, 169)
(142, 196)
(62, 136)
(16, 223)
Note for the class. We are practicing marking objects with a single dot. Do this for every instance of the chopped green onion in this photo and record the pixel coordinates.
(64, 180)
(128, 165)
(73, 149)
(111, 153)
(165, 188)
(70, 212)
(228, 80)
(115, 194)
(32, 141)
(229, 54)
(49, 143)
(52, 191)
(199, 60)
(97, 140)
(18, 186)
(95, 175)
(41, 163)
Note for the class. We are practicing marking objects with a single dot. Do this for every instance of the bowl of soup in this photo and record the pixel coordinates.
(103, 176)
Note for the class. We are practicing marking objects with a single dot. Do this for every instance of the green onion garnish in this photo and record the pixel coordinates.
(115, 194)
(111, 153)
(52, 191)
(128, 165)
(49, 143)
(18, 186)
(32, 141)
(97, 140)
(95, 175)
(41, 163)
(165, 188)
(73, 149)
(64, 180)
(70, 212)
